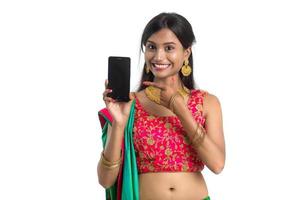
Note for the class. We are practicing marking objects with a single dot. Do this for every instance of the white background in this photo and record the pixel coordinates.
(53, 59)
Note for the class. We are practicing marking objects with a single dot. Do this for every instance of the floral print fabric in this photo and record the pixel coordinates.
(160, 142)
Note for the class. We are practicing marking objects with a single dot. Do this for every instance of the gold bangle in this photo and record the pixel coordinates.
(199, 135)
(108, 166)
(195, 134)
(107, 162)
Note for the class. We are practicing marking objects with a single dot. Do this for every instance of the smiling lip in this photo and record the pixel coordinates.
(160, 67)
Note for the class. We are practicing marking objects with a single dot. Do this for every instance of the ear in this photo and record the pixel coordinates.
(187, 53)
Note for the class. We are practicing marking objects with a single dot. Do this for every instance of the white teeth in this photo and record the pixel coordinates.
(161, 66)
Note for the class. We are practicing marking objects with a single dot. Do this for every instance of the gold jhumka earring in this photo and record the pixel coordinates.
(186, 70)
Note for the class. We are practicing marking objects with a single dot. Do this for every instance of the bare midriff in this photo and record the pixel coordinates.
(172, 186)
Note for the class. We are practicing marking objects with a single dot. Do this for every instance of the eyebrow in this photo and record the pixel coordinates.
(166, 43)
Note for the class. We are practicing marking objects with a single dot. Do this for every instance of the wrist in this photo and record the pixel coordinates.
(178, 106)
(118, 125)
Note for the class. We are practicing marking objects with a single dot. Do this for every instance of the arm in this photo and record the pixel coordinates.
(119, 112)
(112, 152)
(212, 149)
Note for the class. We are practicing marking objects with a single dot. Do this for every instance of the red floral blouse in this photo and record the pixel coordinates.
(160, 142)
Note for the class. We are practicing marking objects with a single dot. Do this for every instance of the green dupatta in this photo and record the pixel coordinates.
(128, 182)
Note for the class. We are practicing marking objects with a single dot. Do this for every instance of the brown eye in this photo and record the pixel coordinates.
(169, 48)
(150, 47)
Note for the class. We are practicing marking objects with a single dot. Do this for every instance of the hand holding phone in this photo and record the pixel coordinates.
(119, 78)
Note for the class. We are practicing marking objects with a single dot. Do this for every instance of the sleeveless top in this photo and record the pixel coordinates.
(160, 142)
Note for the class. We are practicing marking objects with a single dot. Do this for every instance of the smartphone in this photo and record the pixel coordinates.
(119, 78)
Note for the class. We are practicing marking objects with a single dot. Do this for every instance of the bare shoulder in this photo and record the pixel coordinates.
(211, 103)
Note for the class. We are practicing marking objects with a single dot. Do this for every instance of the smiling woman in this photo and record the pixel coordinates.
(164, 54)
(169, 129)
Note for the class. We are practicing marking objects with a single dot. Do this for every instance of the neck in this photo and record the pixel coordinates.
(172, 81)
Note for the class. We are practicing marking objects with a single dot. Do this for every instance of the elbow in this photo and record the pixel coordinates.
(104, 180)
(218, 170)
(105, 184)
(218, 167)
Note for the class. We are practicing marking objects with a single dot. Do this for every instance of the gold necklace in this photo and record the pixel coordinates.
(153, 93)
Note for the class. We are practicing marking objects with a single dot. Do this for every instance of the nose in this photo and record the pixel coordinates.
(159, 54)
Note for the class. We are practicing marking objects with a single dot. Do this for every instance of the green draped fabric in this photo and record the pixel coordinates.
(130, 187)
(130, 182)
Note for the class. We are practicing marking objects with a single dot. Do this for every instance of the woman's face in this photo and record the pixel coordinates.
(164, 53)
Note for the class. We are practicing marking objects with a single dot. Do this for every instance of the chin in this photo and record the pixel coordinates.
(162, 76)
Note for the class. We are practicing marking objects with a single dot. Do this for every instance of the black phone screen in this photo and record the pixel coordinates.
(119, 78)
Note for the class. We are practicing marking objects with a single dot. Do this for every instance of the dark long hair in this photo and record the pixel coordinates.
(184, 32)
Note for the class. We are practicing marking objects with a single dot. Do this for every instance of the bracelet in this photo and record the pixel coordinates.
(198, 135)
(108, 164)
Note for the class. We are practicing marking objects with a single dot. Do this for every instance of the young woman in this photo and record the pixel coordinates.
(177, 129)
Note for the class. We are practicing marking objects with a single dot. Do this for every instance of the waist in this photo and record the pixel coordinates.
(176, 186)
(169, 168)
(175, 164)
